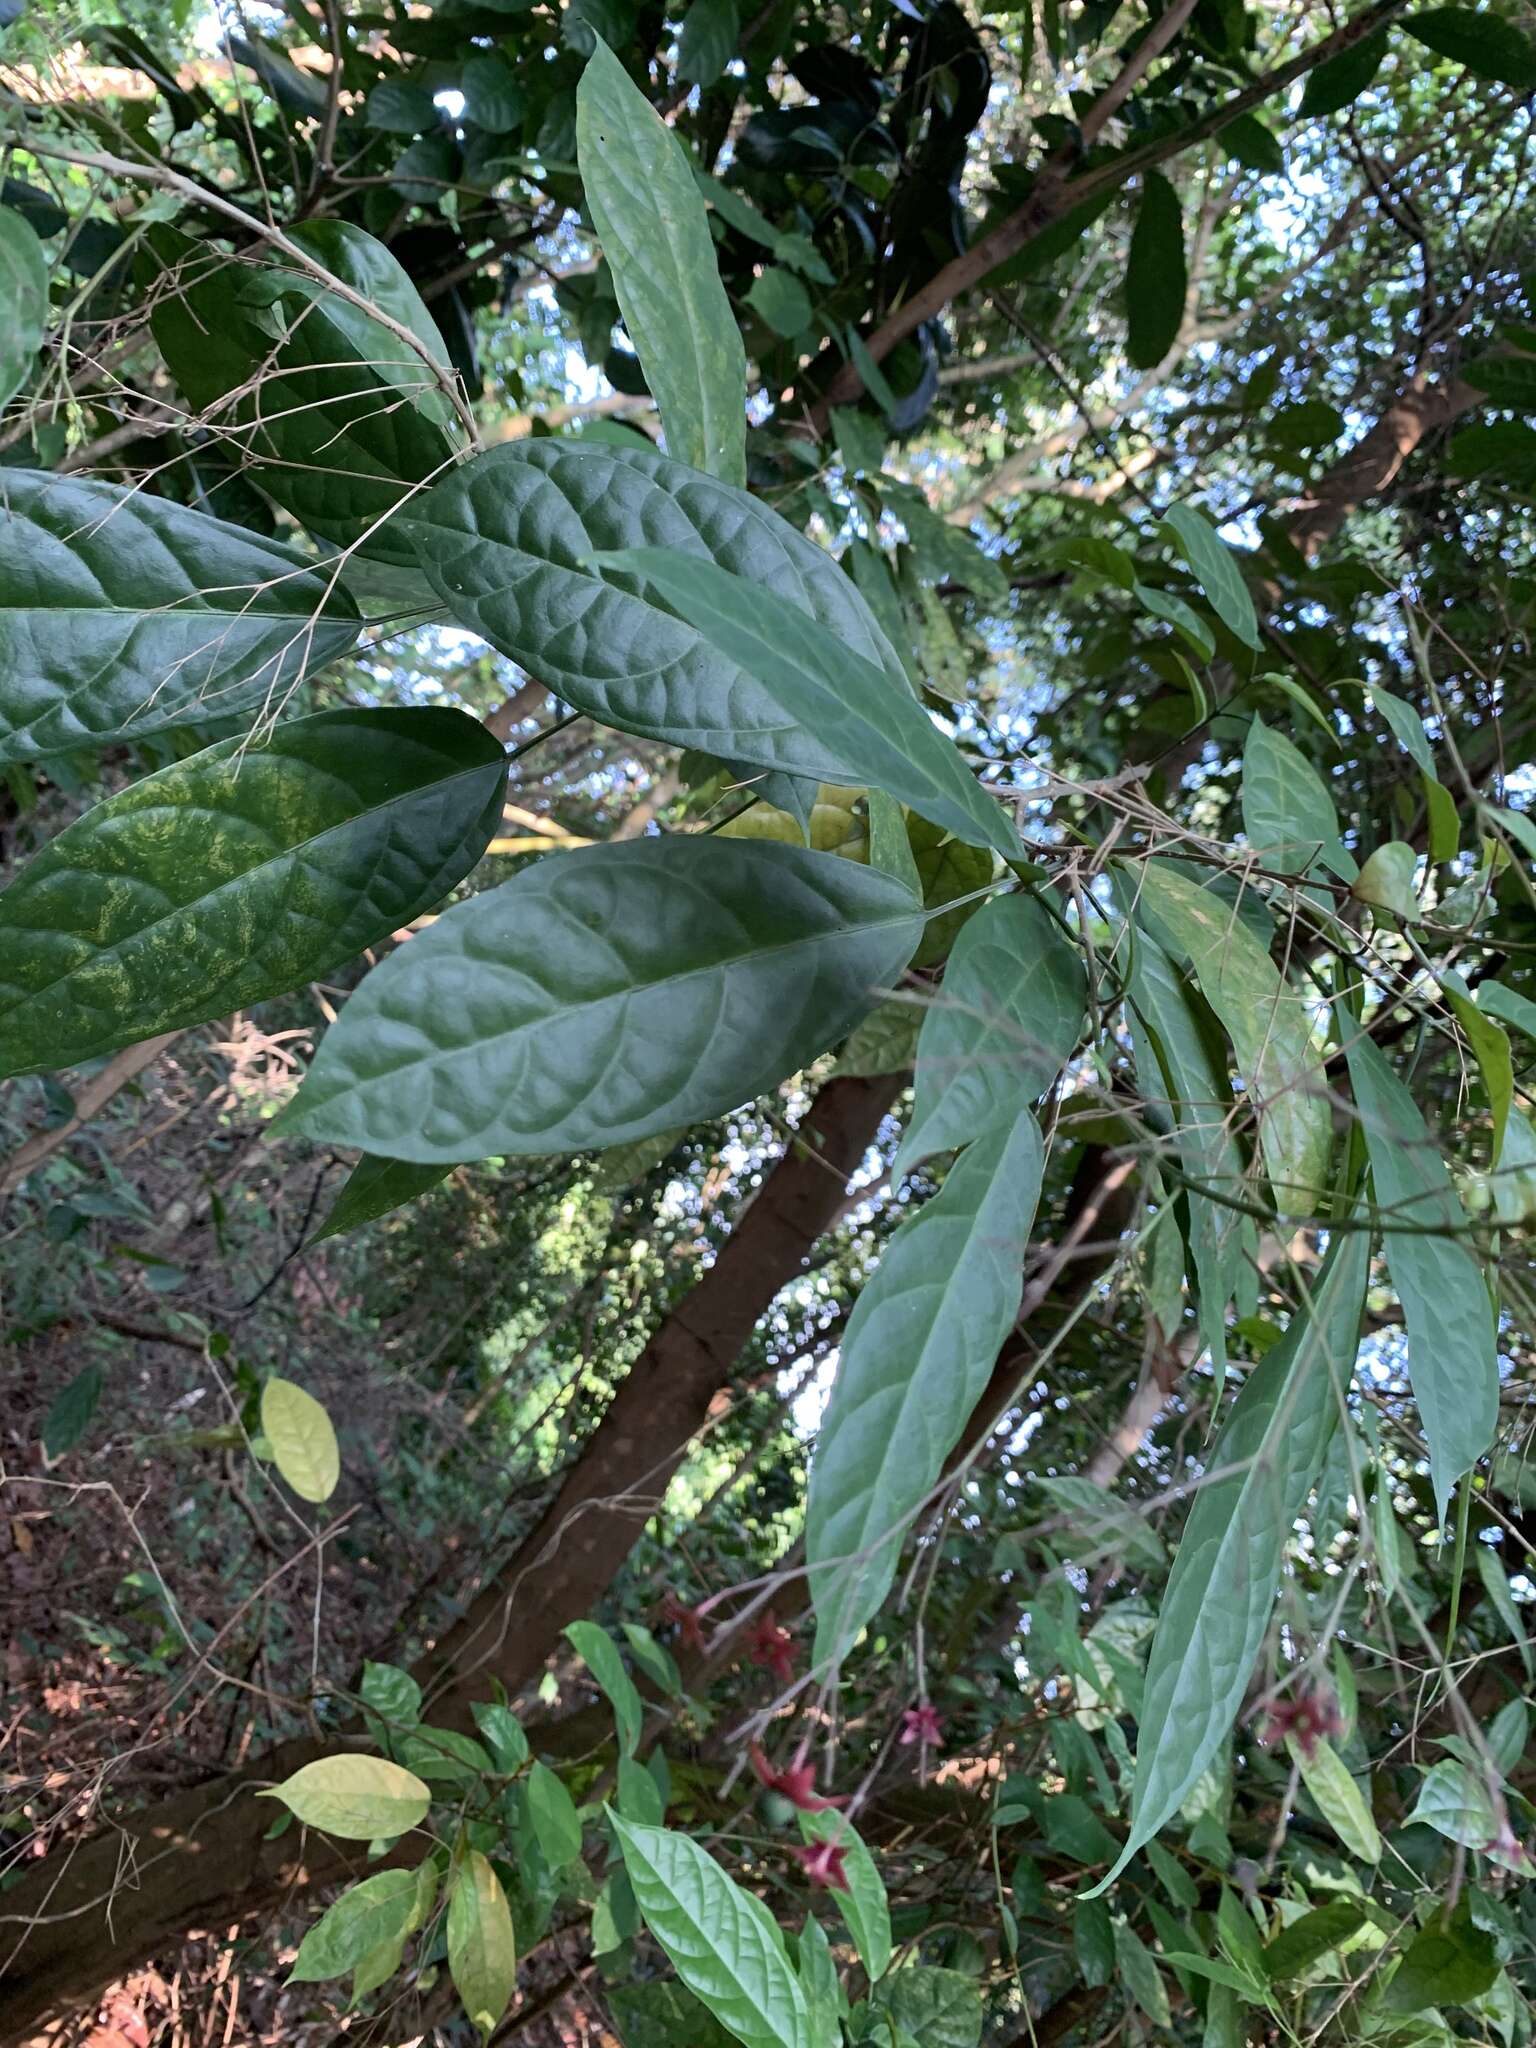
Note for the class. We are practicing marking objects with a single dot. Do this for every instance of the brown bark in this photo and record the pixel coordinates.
(1371, 466)
(88, 1913)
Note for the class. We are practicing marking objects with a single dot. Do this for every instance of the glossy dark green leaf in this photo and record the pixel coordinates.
(1449, 1962)
(1508, 380)
(721, 1940)
(556, 1823)
(651, 220)
(1157, 276)
(600, 1653)
(917, 1355)
(872, 734)
(1248, 142)
(863, 1904)
(482, 1949)
(1502, 449)
(1093, 1941)
(998, 1031)
(503, 1735)
(1489, 45)
(343, 417)
(1222, 1587)
(373, 1188)
(23, 301)
(607, 994)
(379, 1910)
(508, 541)
(1340, 80)
(1452, 1358)
(493, 98)
(1210, 560)
(1265, 1017)
(122, 614)
(1306, 1941)
(1288, 814)
(706, 42)
(238, 874)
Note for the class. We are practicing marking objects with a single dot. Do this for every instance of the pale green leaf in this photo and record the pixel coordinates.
(1288, 814)
(239, 874)
(1337, 1797)
(482, 1950)
(817, 1973)
(1221, 1591)
(873, 734)
(1210, 560)
(721, 1940)
(358, 1798)
(864, 1907)
(23, 301)
(1452, 1360)
(379, 1911)
(597, 1649)
(123, 614)
(1267, 1021)
(1490, 1048)
(1386, 880)
(916, 1358)
(605, 995)
(651, 221)
(998, 1031)
(302, 1440)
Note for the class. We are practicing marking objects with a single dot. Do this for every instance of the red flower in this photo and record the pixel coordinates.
(772, 1647)
(685, 1620)
(1305, 1720)
(822, 1863)
(796, 1782)
(922, 1724)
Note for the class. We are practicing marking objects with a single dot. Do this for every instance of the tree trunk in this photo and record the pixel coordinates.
(87, 1913)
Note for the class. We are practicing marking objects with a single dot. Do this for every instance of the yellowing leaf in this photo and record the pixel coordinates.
(302, 1439)
(482, 1949)
(358, 1798)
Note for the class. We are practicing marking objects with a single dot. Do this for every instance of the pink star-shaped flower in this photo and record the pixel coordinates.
(822, 1863)
(685, 1620)
(1305, 1720)
(796, 1781)
(773, 1648)
(922, 1724)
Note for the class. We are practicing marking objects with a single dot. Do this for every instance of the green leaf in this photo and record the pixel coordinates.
(122, 614)
(781, 301)
(1444, 821)
(23, 301)
(1287, 811)
(871, 733)
(1163, 604)
(706, 42)
(1217, 1606)
(302, 1439)
(482, 1950)
(607, 994)
(817, 1973)
(1337, 1798)
(70, 1412)
(1339, 81)
(917, 1356)
(998, 1031)
(1496, 1585)
(1306, 1941)
(1210, 560)
(1157, 276)
(1485, 42)
(890, 849)
(1508, 380)
(864, 1907)
(1266, 1020)
(1406, 725)
(493, 99)
(343, 417)
(1452, 1359)
(358, 1798)
(1386, 880)
(1248, 142)
(508, 542)
(639, 1795)
(1449, 1962)
(503, 1734)
(445, 1756)
(1455, 1801)
(237, 874)
(399, 108)
(1490, 1048)
(375, 1187)
(1108, 1526)
(651, 220)
(933, 2007)
(1141, 1975)
(556, 1824)
(393, 1694)
(1181, 1075)
(379, 1911)
(1506, 1735)
(1093, 1941)
(885, 1042)
(721, 1940)
(1504, 450)
(597, 1649)
(654, 1659)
